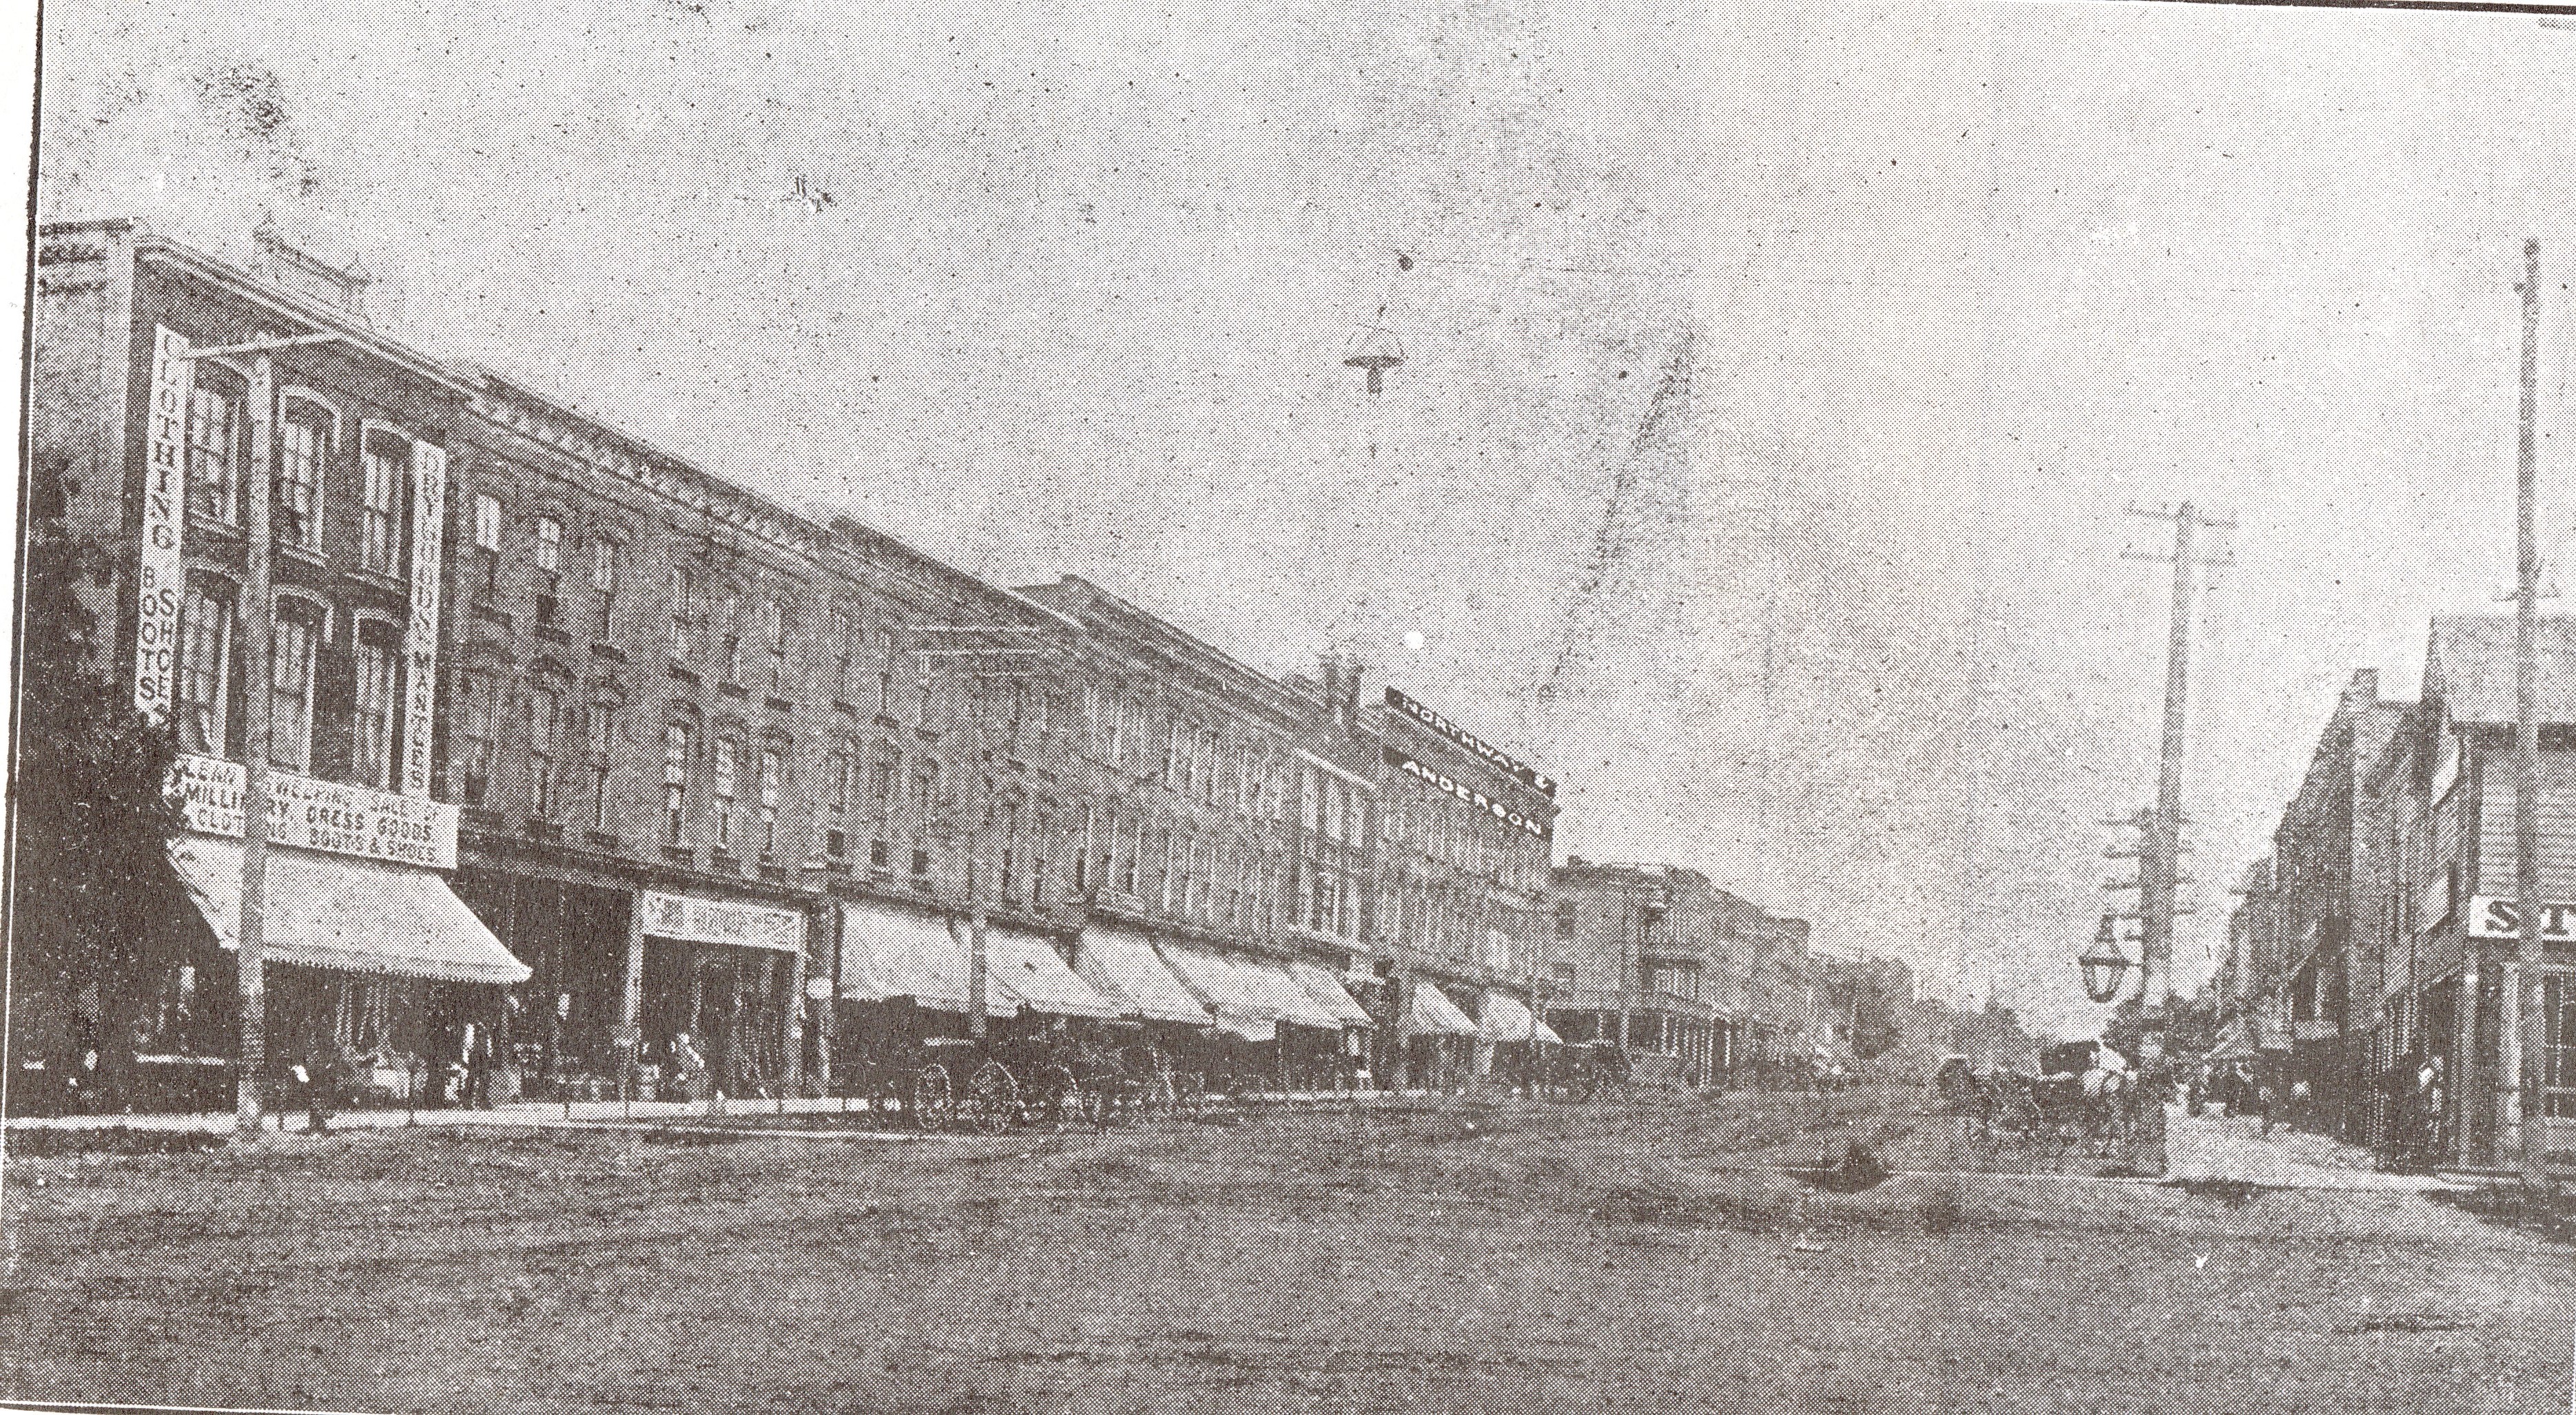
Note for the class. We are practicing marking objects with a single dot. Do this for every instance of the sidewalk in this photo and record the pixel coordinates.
(2211, 1146)
(578, 1115)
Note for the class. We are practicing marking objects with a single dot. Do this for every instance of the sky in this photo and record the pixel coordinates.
(1777, 377)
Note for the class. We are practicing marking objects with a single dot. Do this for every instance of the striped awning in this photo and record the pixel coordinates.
(1430, 1010)
(343, 912)
(1120, 964)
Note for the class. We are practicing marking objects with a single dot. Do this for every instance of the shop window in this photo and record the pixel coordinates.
(205, 663)
(304, 438)
(215, 432)
(290, 681)
(380, 505)
(372, 728)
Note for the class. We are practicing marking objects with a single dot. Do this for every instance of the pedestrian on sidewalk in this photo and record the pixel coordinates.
(2299, 1097)
(2265, 1101)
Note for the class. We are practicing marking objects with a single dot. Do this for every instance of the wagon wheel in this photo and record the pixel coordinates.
(934, 1103)
(992, 1100)
(1061, 1096)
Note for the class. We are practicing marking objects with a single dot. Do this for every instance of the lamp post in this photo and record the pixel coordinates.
(2103, 965)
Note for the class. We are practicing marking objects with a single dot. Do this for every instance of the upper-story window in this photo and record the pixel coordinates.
(304, 442)
(290, 680)
(487, 540)
(604, 554)
(839, 629)
(205, 664)
(732, 644)
(549, 567)
(482, 711)
(380, 504)
(215, 443)
(728, 780)
(675, 782)
(378, 653)
(774, 632)
(599, 732)
(773, 771)
(545, 721)
(684, 613)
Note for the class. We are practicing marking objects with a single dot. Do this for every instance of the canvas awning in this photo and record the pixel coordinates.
(1321, 985)
(1029, 968)
(1545, 1034)
(1120, 965)
(340, 911)
(1506, 1019)
(1248, 999)
(893, 953)
(1430, 1010)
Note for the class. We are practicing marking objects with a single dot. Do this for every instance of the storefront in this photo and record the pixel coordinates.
(1272, 1032)
(1439, 1038)
(372, 965)
(712, 986)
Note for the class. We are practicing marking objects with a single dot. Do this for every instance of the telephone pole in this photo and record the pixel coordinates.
(2523, 1037)
(2160, 848)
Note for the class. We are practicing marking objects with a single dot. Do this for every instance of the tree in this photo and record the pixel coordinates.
(91, 818)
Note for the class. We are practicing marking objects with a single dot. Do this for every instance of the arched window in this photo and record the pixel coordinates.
(303, 451)
(215, 435)
(379, 652)
(675, 783)
(300, 627)
(205, 665)
(728, 782)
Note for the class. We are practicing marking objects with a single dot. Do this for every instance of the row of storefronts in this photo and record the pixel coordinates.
(2374, 962)
(592, 772)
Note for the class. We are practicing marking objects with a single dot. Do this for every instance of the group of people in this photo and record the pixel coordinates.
(2238, 1087)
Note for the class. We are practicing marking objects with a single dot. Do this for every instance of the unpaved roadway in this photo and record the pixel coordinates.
(1510, 1258)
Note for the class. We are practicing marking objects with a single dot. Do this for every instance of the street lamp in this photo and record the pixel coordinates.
(2104, 966)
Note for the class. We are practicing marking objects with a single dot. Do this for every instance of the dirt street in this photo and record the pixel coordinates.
(1475, 1258)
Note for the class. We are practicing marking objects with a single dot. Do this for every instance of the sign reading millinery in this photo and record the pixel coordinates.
(1526, 775)
(312, 814)
(693, 920)
(420, 636)
(1443, 782)
(160, 579)
(2491, 917)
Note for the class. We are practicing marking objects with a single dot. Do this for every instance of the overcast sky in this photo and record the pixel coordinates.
(1776, 377)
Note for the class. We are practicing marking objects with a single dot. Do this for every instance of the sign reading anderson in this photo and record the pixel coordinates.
(1443, 782)
(1527, 775)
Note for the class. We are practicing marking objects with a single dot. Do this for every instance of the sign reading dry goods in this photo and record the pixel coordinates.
(693, 920)
(319, 815)
(1518, 770)
(1443, 782)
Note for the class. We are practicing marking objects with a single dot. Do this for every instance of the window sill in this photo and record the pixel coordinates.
(682, 673)
(733, 690)
(778, 705)
(602, 649)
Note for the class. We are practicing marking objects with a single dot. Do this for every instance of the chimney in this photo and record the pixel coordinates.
(298, 271)
(1351, 668)
(1332, 669)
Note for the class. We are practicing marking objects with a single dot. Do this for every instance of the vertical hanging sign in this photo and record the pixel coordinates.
(420, 637)
(160, 579)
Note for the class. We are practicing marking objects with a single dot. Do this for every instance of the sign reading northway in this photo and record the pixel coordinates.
(319, 815)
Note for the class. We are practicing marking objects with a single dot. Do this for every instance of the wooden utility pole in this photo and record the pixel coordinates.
(2160, 852)
(2523, 1038)
(258, 621)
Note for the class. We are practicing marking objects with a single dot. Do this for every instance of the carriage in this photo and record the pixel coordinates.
(936, 1075)
(2082, 1095)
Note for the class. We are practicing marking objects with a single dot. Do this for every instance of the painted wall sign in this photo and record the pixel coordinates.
(160, 578)
(313, 814)
(1450, 785)
(1510, 765)
(420, 635)
(2495, 918)
(693, 920)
